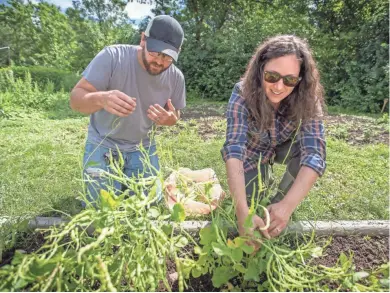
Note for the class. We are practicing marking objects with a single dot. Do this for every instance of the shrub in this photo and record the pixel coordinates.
(41, 75)
(25, 93)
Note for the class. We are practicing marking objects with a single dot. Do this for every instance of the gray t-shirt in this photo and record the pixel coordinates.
(117, 68)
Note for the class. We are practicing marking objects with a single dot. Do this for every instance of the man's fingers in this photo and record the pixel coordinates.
(126, 98)
(160, 109)
(153, 117)
(170, 105)
(117, 113)
(154, 110)
(118, 108)
(118, 102)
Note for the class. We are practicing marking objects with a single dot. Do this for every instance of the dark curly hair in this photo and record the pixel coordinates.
(305, 101)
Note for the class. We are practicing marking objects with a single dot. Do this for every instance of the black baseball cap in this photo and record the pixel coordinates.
(164, 34)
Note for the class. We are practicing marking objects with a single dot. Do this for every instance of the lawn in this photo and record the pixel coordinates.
(41, 151)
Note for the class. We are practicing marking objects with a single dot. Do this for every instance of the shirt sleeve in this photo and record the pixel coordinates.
(313, 145)
(179, 92)
(237, 127)
(99, 70)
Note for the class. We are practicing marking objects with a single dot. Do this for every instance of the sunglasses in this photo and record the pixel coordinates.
(288, 80)
(164, 57)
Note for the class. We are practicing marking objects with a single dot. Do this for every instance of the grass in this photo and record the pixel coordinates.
(42, 150)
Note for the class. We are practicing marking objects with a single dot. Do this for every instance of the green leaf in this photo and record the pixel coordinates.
(343, 259)
(247, 249)
(256, 234)
(385, 283)
(20, 283)
(197, 250)
(221, 276)
(239, 267)
(181, 242)
(153, 213)
(178, 213)
(92, 164)
(196, 271)
(360, 275)
(167, 229)
(252, 272)
(221, 249)
(239, 241)
(41, 267)
(207, 235)
(316, 252)
(18, 258)
(237, 254)
(248, 223)
(347, 283)
(107, 200)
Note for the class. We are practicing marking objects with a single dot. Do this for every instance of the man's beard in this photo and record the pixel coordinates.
(148, 65)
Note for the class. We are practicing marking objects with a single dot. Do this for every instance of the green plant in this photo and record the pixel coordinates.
(384, 119)
(60, 79)
(120, 242)
(284, 264)
(341, 133)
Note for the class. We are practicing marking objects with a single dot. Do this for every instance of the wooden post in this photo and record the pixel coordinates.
(384, 104)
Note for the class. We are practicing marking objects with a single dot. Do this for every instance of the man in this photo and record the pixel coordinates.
(127, 89)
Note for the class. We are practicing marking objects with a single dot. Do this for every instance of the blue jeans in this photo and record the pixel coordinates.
(97, 158)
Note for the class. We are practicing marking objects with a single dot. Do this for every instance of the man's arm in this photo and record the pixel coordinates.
(86, 99)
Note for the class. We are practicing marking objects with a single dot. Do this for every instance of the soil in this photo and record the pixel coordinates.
(355, 130)
(368, 252)
(26, 243)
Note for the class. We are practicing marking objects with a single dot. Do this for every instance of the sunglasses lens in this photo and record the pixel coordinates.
(290, 80)
(271, 77)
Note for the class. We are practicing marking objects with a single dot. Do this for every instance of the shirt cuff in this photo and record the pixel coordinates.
(316, 162)
(228, 154)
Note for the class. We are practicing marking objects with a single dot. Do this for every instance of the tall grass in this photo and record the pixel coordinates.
(26, 94)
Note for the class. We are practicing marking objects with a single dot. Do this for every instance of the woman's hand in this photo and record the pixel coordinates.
(257, 224)
(280, 214)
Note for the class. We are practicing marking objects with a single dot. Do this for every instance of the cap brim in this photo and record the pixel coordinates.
(153, 45)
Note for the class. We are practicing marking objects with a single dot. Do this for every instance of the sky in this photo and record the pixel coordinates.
(135, 11)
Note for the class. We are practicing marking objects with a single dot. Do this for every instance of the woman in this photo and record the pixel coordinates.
(274, 114)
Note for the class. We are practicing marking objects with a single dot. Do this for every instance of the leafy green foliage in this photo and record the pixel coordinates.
(40, 34)
(61, 79)
(120, 244)
(349, 40)
(279, 265)
(25, 93)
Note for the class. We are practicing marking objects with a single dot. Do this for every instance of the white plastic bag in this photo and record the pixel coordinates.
(198, 190)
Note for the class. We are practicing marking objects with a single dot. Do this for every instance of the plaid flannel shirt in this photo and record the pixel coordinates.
(245, 142)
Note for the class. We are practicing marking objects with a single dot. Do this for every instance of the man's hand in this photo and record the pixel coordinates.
(161, 116)
(280, 214)
(118, 103)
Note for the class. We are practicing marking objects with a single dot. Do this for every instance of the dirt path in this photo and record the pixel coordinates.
(355, 130)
